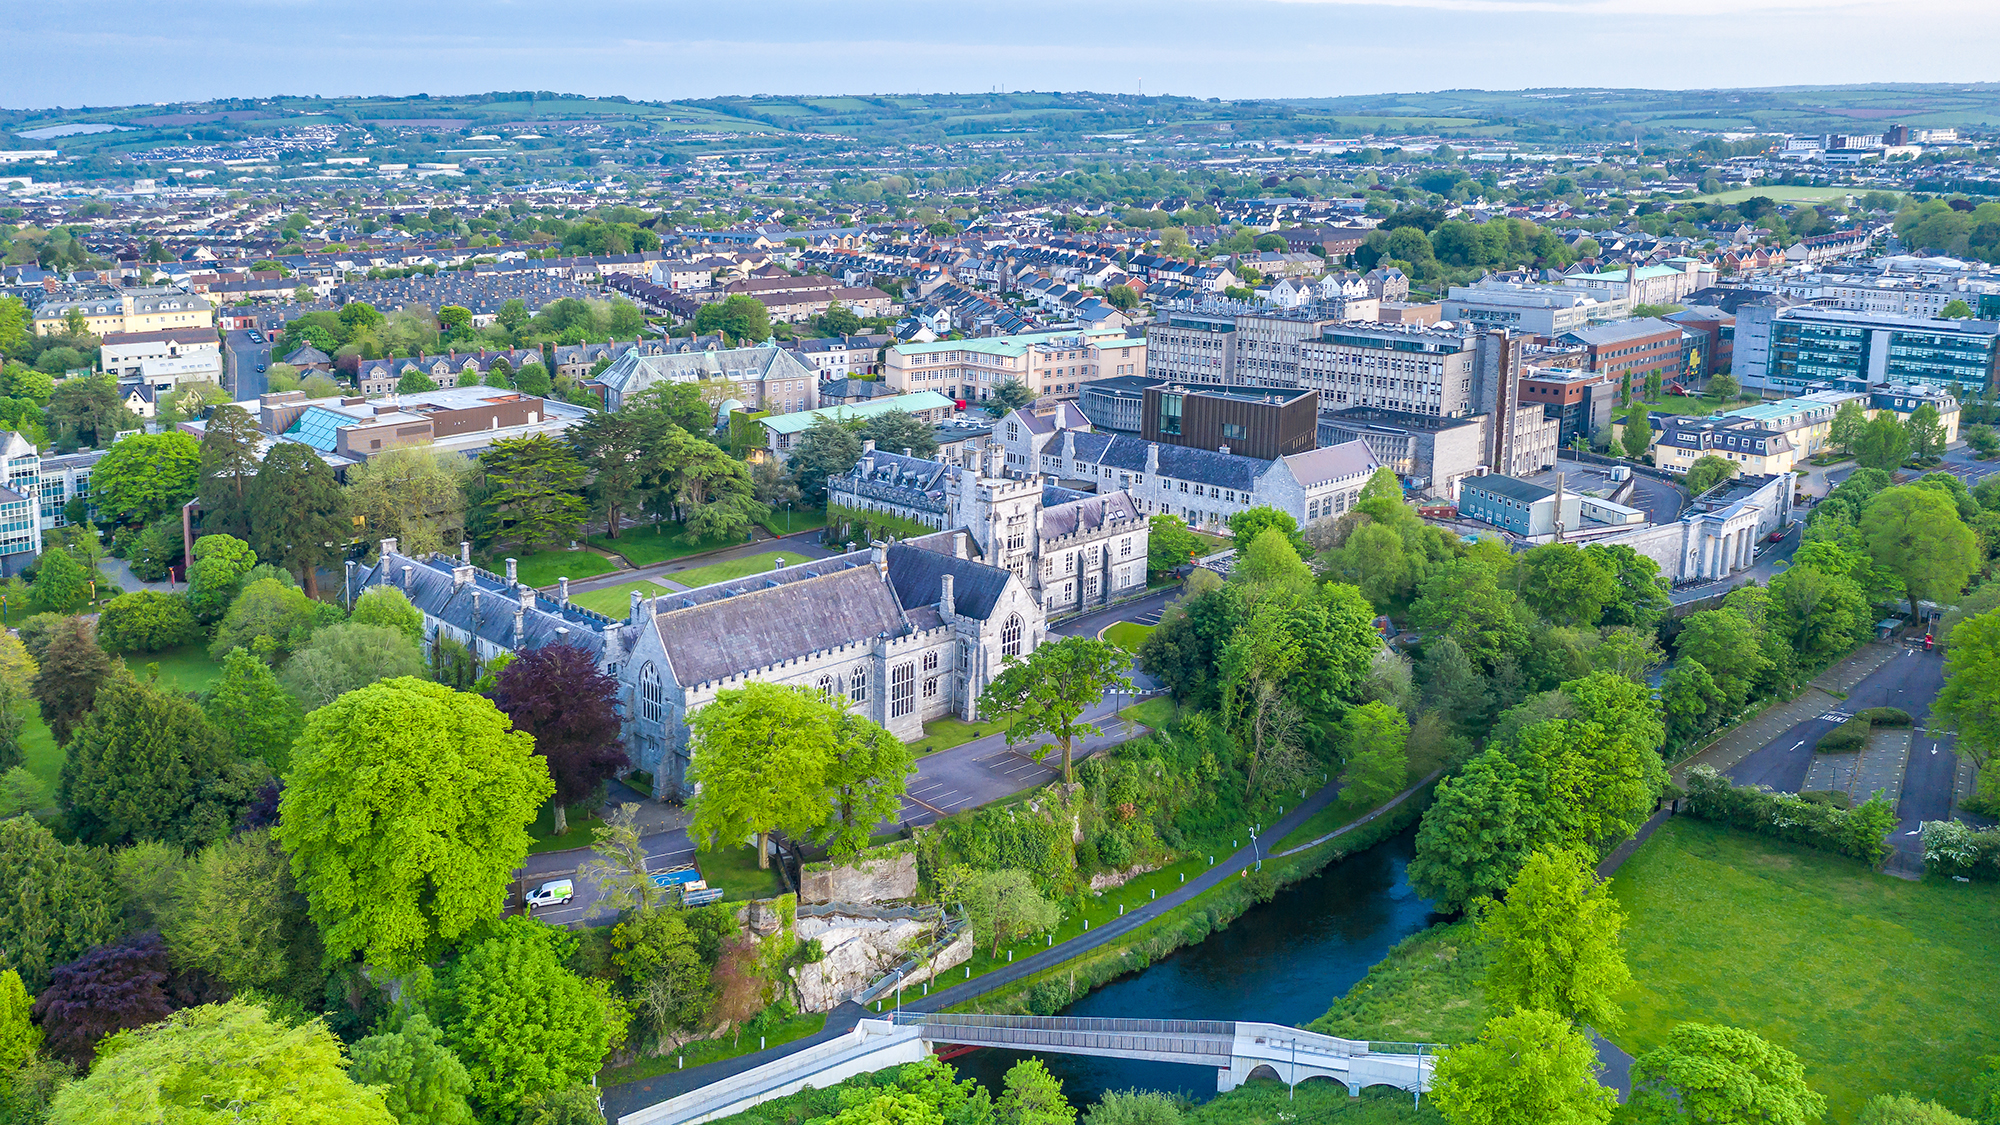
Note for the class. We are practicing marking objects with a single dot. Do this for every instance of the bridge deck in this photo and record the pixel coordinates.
(1195, 1042)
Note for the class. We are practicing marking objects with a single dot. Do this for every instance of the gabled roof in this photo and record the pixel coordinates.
(917, 573)
(765, 625)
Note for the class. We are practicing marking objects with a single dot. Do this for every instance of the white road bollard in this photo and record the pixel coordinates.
(1121, 910)
(1155, 892)
(1010, 959)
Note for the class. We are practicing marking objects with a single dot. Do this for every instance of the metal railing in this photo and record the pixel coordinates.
(1204, 1039)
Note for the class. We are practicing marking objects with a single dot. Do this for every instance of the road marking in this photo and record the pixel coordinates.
(1796, 745)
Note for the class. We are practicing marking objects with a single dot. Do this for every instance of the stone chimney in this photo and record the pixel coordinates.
(513, 578)
(878, 553)
(464, 553)
(562, 634)
(958, 544)
(476, 619)
(389, 547)
(461, 575)
(946, 607)
(1069, 450)
(408, 575)
(1152, 458)
(520, 626)
(632, 614)
(562, 590)
(778, 563)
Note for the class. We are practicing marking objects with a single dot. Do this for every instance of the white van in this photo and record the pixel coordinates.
(552, 893)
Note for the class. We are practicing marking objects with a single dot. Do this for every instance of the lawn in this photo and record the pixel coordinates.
(782, 523)
(616, 601)
(1431, 988)
(186, 668)
(1785, 193)
(1127, 635)
(1698, 406)
(1873, 981)
(1156, 712)
(583, 822)
(735, 568)
(943, 734)
(702, 1052)
(543, 567)
(657, 543)
(735, 870)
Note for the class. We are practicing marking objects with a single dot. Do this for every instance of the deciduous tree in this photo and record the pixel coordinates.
(1476, 833)
(1531, 1066)
(1884, 443)
(72, 670)
(252, 712)
(1377, 736)
(232, 1054)
(867, 772)
(389, 608)
(423, 1082)
(1916, 534)
(146, 621)
(520, 1020)
(269, 618)
(557, 694)
(215, 576)
(146, 476)
(826, 448)
(1716, 1075)
(62, 585)
(1048, 692)
(345, 656)
(405, 813)
(759, 759)
(416, 496)
(1555, 941)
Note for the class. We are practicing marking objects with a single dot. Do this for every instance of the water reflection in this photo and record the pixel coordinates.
(1283, 963)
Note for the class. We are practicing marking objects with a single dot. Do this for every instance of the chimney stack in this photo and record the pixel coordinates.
(632, 614)
(520, 626)
(389, 547)
(464, 553)
(408, 574)
(513, 578)
(878, 553)
(562, 590)
(946, 607)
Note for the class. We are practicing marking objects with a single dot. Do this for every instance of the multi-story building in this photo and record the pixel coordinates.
(1543, 310)
(1432, 454)
(459, 419)
(1117, 403)
(34, 489)
(1072, 550)
(1518, 506)
(1634, 349)
(107, 311)
(1663, 284)
(1579, 401)
(1052, 364)
(1787, 350)
(905, 633)
(123, 352)
(761, 378)
(1204, 487)
(781, 431)
(1192, 346)
(1254, 423)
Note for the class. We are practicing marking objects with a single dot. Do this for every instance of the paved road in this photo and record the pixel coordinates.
(1662, 502)
(243, 360)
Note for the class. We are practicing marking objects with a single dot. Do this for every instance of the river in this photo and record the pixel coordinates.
(1282, 962)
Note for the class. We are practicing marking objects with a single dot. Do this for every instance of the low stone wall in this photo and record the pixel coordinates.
(887, 874)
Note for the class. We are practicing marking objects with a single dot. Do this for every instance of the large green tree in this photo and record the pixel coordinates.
(1709, 1074)
(298, 513)
(253, 711)
(1529, 1068)
(215, 576)
(533, 491)
(1970, 700)
(229, 447)
(1169, 543)
(88, 412)
(221, 1063)
(416, 496)
(269, 617)
(867, 772)
(423, 1081)
(65, 900)
(1049, 691)
(405, 812)
(73, 669)
(758, 757)
(345, 656)
(826, 449)
(1376, 737)
(236, 915)
(146, 476)
(146, 765)
(520, 1020)
(1565, 584)
(742, 317)
(146, 621)
(1476, 834)
(1555, 941)
(1916, 534)
(62, 584)
(1884, 443)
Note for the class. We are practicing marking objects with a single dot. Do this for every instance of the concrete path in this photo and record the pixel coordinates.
(119, 573)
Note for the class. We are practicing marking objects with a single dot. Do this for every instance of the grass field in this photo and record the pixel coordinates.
(616, 601)
(1429, 989)
(1128, 635)
(781, 522)
(543, 567)
(186, 668)
(735, 870)
(1876, 983)
(583, 822)
(1156, 712)
(734, 568)
(1780, 193)
(943, 734)
(657, 543)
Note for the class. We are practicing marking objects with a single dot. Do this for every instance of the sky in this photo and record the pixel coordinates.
(115, 52)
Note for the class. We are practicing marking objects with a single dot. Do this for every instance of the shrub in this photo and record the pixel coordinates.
(1885, 716)
(36, 632)
(146, 621)
(1832, 797)
(1953, 848)
(1862, 832)
(1850, 735)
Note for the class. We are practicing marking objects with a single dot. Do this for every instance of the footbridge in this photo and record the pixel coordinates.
(1237, 1051)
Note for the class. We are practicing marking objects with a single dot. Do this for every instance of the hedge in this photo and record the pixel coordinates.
(1850, 735)
(1952, 848)
(1885, 716)
(1861, 832)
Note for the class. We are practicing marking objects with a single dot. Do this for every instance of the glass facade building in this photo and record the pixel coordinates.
(1811, 346)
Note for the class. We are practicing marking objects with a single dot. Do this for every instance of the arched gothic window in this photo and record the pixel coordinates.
(650, 693)
(857, 684)
(1010, 636)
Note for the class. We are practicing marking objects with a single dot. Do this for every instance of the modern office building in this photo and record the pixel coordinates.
(1635, 349)
(1432, 454)
(1787, 350)
(1115, 404)
(1544, 310)
(1579, 401)
(1518, 506)
(1262, 424)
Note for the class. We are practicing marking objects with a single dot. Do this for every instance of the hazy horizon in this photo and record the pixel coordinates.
(115, 52)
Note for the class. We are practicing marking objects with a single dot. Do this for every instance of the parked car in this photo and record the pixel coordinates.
(256, 337)
(555, 892)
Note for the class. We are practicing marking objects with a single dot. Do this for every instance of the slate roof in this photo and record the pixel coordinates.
(917, 573)
(1087, 513)
(431, 589)
(1179, 462)
(768, 625)
(1333, 462)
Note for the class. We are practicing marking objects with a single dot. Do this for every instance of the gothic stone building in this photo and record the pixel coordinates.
(1072, 550)
(905, 633)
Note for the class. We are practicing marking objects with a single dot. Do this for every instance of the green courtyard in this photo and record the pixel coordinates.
(1877, 983)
